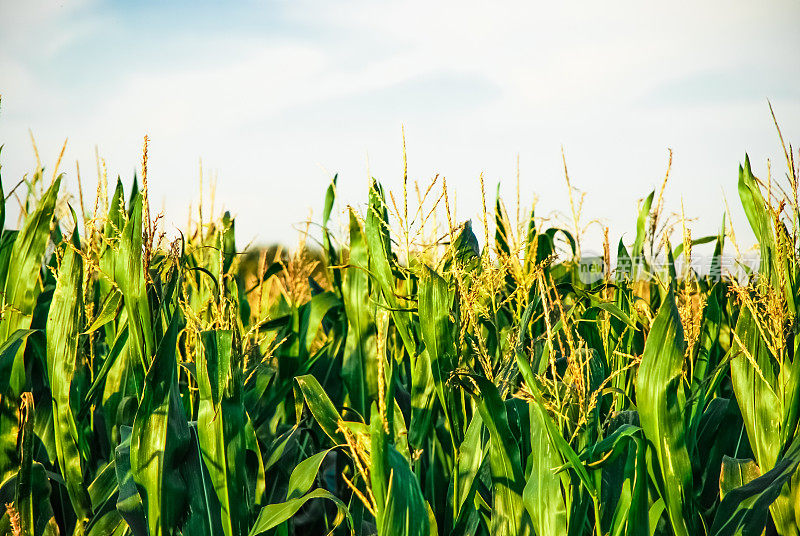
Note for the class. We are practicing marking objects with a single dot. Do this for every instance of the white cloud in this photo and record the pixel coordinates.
(267, 108)
(53, 25)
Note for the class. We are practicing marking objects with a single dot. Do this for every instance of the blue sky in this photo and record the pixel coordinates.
(277, 96)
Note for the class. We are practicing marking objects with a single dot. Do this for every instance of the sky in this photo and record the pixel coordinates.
(277, 96)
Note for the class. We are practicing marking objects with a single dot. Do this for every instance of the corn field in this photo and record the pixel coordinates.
(403, 381)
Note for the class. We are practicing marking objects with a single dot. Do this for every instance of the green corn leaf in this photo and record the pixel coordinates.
(2, 201)
(467, 477)
(401, 509)
(7, 239)
(304, 474)
(380, 254)
(735, 474)
(115, 222)
(400, 432)
(9, 407)
(273, 515)
(435, 301)
(129, 276)
(660, 400)
(754, 206)
(465, 251)
(678, 251)
(100, 379)
(637, 250)
(744, 510)
(108, 312)
(104, 486)
(423, 398)
(470, 459)
(624, 264)
(508, 481)
(123, 385)
(315, 311)
(221, 428)
(107, 524)
(228, 242)
(607, 306)
(359, 364)
(8, 352)
(753, 377)
(754, 381)
(279, 445)
(501, 233)
(530, 242)
(773, 239)
(565, 450)
(321, 407)
(205, 514)
(22, 283)
(258, 483)
(160, 439)
(327, 243)
(129, 502)
(637, 518)
(63, 328)
(405, 512)
(544, 493)
(716, 261)
(378, 465)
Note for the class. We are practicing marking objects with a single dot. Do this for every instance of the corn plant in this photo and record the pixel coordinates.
(401, 379)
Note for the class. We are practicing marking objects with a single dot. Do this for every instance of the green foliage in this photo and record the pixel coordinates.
(393, 383)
